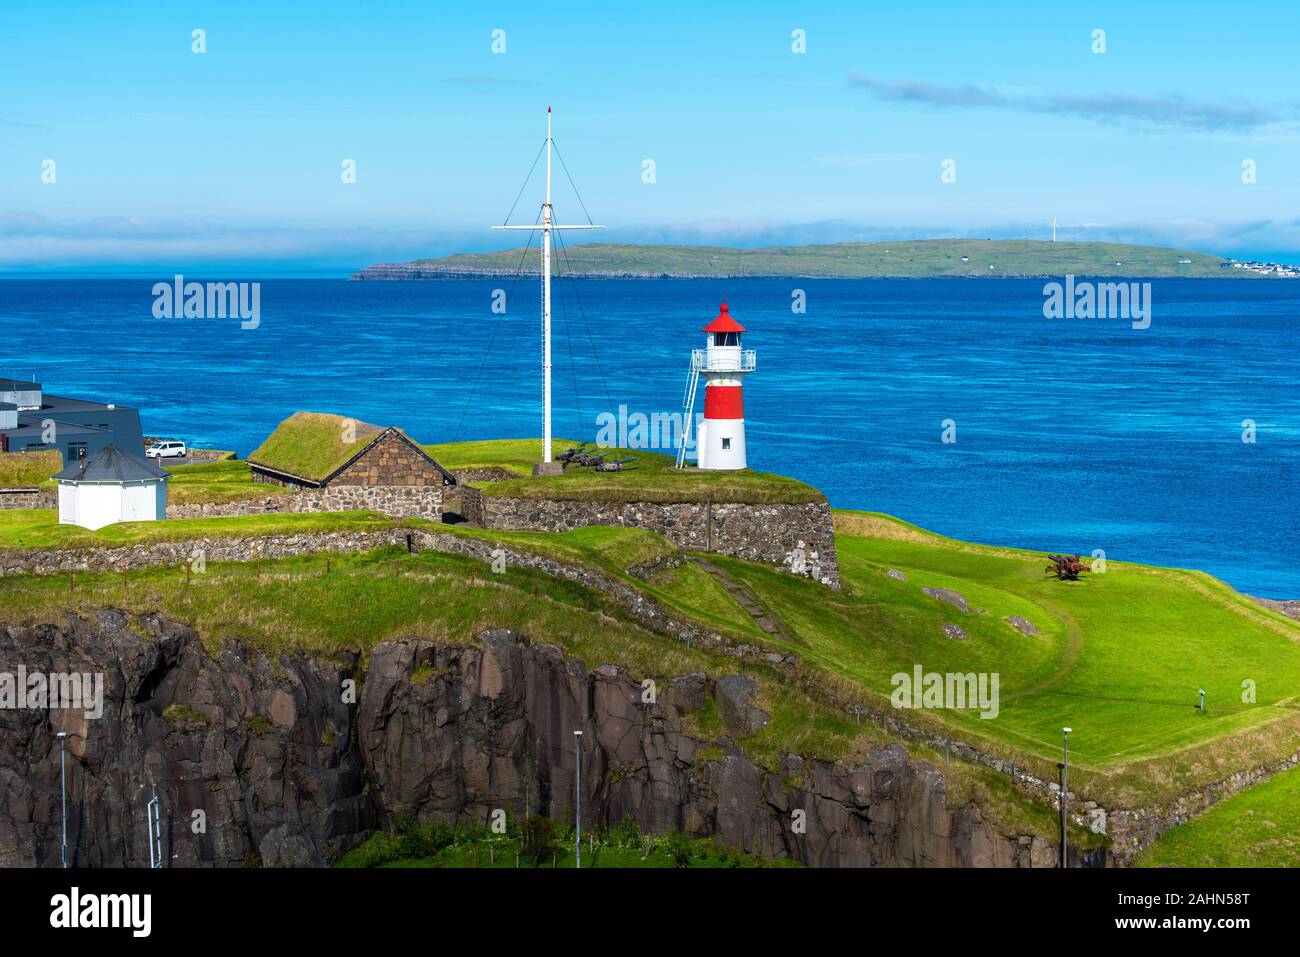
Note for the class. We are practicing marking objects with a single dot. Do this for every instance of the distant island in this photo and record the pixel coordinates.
(912, 259)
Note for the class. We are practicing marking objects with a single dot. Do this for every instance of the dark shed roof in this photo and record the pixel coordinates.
(111, 464)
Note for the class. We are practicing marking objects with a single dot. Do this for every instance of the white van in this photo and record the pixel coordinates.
(167, 450)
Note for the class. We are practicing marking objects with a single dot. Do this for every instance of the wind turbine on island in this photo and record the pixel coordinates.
(1053, 229)
(547, 466)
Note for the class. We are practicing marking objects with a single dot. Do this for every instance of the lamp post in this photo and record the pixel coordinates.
(63, 788)
(1065, 790)
(577, 753)
(1202, 693)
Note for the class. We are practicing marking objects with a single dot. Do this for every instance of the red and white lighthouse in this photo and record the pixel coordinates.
(723, 363)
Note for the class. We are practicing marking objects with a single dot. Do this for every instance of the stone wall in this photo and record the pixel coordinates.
(799, 538)
(28, 498)
(234, 548)
(399, 501)
(487, 474)
(390, 460)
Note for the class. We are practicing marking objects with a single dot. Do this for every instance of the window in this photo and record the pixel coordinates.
(726, 338)
(726, 444)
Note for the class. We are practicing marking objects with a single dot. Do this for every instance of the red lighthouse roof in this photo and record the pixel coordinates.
(724, 323)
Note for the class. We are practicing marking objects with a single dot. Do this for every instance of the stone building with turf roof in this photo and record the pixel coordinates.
(336, 464)
(314, 450)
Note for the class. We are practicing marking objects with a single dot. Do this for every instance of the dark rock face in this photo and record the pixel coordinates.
(288, 771)
(261, 750)
(734, 696)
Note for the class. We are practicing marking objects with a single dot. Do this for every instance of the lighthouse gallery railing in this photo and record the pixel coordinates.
(723, 360)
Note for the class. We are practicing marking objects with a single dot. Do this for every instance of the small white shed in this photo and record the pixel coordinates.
(111, 486)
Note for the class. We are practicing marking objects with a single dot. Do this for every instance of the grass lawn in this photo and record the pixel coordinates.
(226, 480)
(28, 469)
(652, 477)
(1119, 657)
(1259, 827)
(313, 445)
(515, 456)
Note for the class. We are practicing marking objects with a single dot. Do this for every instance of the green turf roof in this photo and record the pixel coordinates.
(28, 469)
(312, 446)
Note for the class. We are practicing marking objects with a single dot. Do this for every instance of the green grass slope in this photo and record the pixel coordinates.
(928, 258)
(650, 477)
(1259, 827)
(226, 480)
(1119, 657)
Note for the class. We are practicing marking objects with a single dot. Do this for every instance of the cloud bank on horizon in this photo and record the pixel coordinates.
(1140, 112)
(132, 150)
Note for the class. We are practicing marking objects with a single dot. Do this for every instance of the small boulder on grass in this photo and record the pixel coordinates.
(955, 632)
(953, 598)
(1022, 625)
(895, 573)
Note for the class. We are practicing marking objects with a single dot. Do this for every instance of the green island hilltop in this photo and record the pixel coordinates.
(907, 259)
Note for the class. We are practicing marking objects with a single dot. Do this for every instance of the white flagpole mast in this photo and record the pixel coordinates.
(546, 302)
(547, 226)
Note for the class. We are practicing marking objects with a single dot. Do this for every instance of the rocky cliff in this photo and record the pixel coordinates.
(293, 760)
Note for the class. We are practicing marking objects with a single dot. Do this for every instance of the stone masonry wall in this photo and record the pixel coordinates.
(799, 538)
(51, 561)
(390, 460)
(399, 501)
(28, 498)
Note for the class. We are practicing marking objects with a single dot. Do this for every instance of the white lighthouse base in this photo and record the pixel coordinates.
(720, 444)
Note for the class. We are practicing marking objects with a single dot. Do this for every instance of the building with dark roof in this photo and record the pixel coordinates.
(111, 486)
(32, 419)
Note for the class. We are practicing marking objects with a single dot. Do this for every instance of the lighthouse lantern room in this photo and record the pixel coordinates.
(723, 363)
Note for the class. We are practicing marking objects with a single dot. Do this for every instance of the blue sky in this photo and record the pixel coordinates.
(168, 159)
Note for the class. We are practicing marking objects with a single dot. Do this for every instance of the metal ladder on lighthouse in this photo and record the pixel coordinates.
(688, 403)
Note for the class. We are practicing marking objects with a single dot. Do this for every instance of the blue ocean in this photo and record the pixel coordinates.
(1070, 434)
